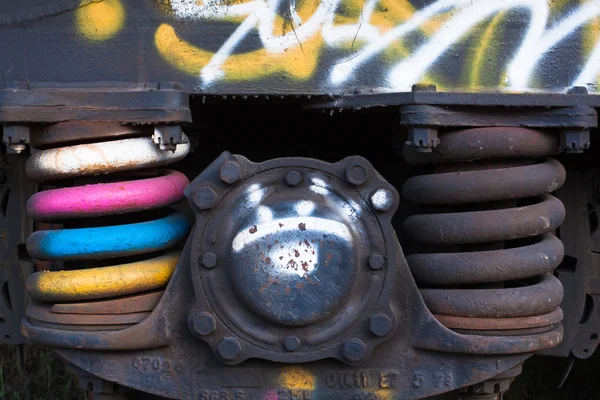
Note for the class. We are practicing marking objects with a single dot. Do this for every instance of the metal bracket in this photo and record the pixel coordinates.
(167, 137)
(16, 138)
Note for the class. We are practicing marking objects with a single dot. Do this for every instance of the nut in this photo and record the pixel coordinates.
(380, 324)
(293, 178)
(357, 174)
(291, 343)
(230, 172)
(382, 199)
(229, 348)
(376, 261)
(205, 198)
(354, 349)
(204, 323)
(209, 260)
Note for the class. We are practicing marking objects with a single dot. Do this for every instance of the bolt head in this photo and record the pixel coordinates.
(204, 323)
(354, 350)
(380, 324)
(230, 172)
(229, 348)
(205, 198)
(382, 199)
(209, 260)
(357, 174)
(293, 178)
(291, 343)
(376, 262)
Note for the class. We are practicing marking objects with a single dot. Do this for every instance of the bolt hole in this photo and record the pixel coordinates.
(497, 388)
(6, 336)
(4, 193)
(587, 308)
(586, 351)
(593, 336)
(6, 295)
(2, 320)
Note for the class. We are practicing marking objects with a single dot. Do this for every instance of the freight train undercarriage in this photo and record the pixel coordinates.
(300, 199)
(432, 266)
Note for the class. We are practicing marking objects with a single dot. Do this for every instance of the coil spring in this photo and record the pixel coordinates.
(489, 262)
(109, 238)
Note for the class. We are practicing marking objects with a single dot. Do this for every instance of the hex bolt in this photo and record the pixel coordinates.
(380, 324)
(382, 199)
(357, 174)
(229, 348)
(376, 262)
(205, 198)
(209, 260)
(354, 349)
(204, 323)
(293, 178)
(291, 343)
(230, 172)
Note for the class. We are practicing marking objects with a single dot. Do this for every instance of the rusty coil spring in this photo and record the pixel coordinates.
(487, 267)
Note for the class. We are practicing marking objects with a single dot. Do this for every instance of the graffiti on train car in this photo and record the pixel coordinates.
(335, 38)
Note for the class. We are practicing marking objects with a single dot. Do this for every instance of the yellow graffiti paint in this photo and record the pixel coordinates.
(299, 62)
(485, 48)
(389, 13)
(294, 377)
(99, 21)
(103, 282)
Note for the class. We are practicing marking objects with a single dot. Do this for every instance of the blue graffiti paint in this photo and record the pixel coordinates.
(109, 241)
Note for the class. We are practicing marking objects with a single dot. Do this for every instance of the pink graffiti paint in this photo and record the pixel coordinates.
(271, 395)
(108, 198)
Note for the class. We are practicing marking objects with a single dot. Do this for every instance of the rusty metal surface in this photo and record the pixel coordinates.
(123, 305)
(504, 214)
(456, 322)
(79, 328)
(488, 144)
(179, 364)
(579, 273)
(95, 104)
(577, 116)
(536, 298)
(489, 265)
(292, 277)
(15, 267)
(43, 313)
(62, 133)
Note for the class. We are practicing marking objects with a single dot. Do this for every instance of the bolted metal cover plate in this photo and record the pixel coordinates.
(294, 242)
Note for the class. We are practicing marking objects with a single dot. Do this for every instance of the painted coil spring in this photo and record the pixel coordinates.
(489, 261)
(135, 277)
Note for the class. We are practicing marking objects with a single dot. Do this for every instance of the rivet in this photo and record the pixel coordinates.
(205, 198)
(230, 172)
(293, 178)
(209, 260)
(376, 261)
(291, 343)
(354, 349)
(382, 199)
(229, 348)
(380, 324)
(357, 174)
(204, 323)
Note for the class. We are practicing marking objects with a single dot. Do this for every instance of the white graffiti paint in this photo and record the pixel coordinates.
(260, 15)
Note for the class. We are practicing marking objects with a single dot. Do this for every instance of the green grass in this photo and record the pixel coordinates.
(44, 376)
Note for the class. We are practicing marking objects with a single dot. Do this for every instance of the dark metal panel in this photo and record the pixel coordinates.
(312, 46)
